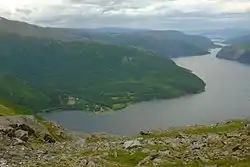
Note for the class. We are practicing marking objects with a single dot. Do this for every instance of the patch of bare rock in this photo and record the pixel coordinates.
(25, 142)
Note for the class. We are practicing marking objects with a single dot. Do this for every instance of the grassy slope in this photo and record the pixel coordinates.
(7, 108)
(131, 157)
(18, 92)
(128, 159)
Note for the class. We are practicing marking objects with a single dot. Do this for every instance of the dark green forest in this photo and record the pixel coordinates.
(44, 73)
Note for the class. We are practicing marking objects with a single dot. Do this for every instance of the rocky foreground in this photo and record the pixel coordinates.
(26, 142)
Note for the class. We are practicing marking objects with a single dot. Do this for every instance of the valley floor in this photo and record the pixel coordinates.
(223, 144)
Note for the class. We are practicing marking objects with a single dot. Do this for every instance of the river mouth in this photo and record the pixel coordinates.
(227, 96)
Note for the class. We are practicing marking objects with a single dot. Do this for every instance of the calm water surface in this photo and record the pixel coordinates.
(227, 96)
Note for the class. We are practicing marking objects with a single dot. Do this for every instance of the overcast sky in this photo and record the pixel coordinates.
(154, 14)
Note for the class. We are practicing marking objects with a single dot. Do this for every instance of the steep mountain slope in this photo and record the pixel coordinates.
(93, 76)
(238, 51)
(166, 43)
(6, 110)
(16, 91)
(29, 30)
(9, 108)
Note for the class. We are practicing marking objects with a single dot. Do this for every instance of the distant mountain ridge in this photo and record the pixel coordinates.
(30, 30)
(239, 50)
(116, 30)
(226, 33)
(166, 43)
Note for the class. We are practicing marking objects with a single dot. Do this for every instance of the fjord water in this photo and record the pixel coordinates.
(227, 96)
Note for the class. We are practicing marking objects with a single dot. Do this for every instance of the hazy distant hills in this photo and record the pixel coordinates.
(166, 43)
(116, 30)
(242, 40)
(239, 50)
(225, 34)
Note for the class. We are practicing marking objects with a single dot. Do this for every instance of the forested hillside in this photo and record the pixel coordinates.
(90, 76)
(239, 50)
(16, 91)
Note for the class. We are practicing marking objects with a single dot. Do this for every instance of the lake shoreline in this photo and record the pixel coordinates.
(126, 105)
(226, 97)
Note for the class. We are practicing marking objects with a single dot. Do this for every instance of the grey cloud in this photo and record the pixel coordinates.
(118, 4)
(172, 21)
(24, 11)
(157, 14)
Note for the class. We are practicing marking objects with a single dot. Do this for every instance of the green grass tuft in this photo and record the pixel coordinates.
(228, 127)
